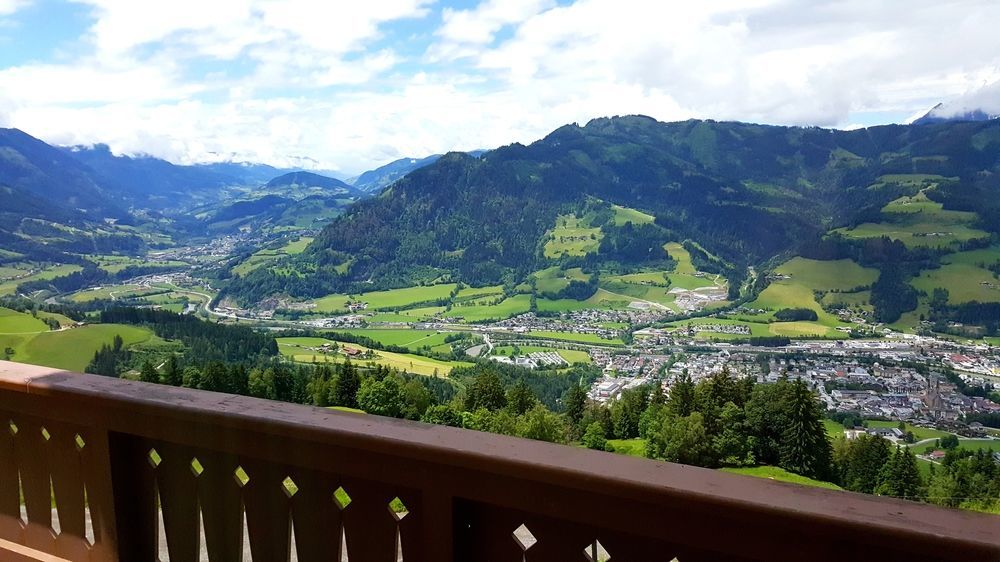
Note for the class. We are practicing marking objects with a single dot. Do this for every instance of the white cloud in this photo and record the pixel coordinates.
(985, 99)
(305, 79)
(478, 26)
(8, 7)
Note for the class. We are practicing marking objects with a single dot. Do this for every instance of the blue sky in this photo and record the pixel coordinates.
(350, 85)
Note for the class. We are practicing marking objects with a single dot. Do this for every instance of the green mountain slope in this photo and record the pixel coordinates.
(744, 192)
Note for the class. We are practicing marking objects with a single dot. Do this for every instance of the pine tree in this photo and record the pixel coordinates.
(486, 391)
(345, 390)
(805, 448)
(574, 402)
(520, 398)
(908, 476)
(148, 373)
(172, 373)
(681, 402)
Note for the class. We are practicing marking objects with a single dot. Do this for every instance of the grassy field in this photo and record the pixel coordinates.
(269, 256)
(553, 279)
(114, 264)
(10, 287)
(965, 280)
(572, 236)
(297, 350)
(634, 216)
(474, 293)
(581, 338)
(841, 275)
(71, 349)
(13, 322)
(409, 315)
(833, 429)
(630, 447)
(387, 300)
(781, 475)
(919, 433)
(980, 444)
(806, 276)
(112, 292)
(918, 221)
(411, 339)
(682, 257)
(511, 306)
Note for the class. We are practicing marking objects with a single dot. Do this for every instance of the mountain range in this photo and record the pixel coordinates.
(746, 193)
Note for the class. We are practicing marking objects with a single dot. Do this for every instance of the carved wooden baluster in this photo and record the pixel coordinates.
(65, 448)
(133, 495)
(368, 524)
(265, 498)
(557, 540)
(176, 480)
(411, 527)
(31, 451)
(221, 506)
(316, 517)
(10, 490)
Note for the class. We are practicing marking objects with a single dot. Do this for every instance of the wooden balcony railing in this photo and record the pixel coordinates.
(113, 464)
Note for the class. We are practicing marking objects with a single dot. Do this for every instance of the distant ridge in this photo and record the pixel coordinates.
(940, 113)
(378, 179)
(309, 179)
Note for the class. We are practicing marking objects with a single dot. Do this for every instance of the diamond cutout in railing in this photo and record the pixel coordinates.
(154, 458)
(80, 443)
(398, 509)
(289, 486)
(596, 553)
(196, 467)
(341, 498)
(12, 427)
(524, 538)
(241, 477)
(45, 434)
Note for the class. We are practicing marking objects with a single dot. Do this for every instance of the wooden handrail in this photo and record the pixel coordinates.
(464, 492)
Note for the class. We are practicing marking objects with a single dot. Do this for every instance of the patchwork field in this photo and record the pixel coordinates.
(553, 279)
(269, 256)
(511, 306)
(573, 337)
(572, 236)
(10, 287)
(302, 350)
(387, 300)
(114, 264)
(918, 221)
(411, 339)
(804, 278)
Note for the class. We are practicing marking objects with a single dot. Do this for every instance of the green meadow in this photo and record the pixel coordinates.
(962, 275)
(781, 475)
(572, 236)
(17, 323)
(387, 300)
(918, 221)
(297, 349)
(10, 287)
(71, 349)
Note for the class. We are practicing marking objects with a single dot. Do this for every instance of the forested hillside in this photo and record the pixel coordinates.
(744, 192)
